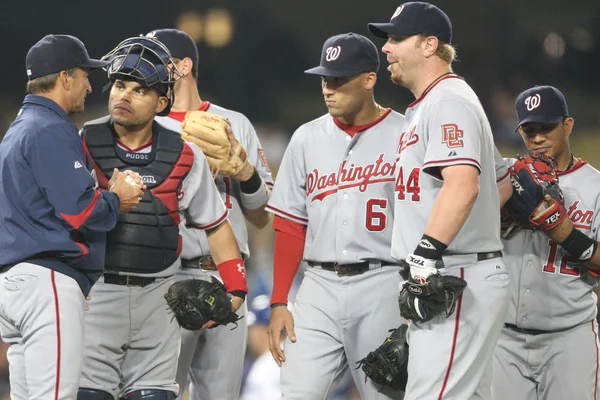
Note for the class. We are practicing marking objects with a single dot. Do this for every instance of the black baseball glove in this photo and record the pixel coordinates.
(422, 298)
(533, 179)
(387, 365)
(195, 302)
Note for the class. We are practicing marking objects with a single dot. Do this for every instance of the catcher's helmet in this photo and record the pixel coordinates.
(145, 60)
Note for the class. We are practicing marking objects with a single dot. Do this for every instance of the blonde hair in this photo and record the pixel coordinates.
(445, 51)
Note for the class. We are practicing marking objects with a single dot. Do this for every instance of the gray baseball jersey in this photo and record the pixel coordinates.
(195, 243)
(339, 181)
(552, 293)
(207, 356)
(446, 126)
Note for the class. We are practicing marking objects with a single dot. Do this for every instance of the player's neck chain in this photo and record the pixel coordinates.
(570, 163)
(381, 110)
(435, 80)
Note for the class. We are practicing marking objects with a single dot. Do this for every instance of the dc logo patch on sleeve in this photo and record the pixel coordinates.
(452, 136)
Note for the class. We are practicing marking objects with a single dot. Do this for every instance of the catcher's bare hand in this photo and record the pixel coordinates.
(129, 195)
(281, 319)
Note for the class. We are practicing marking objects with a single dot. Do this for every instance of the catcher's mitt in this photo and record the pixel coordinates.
(509, 226)
(387, 365)
(533, 178)
(423, 299)
(195, 302)
(223, 151)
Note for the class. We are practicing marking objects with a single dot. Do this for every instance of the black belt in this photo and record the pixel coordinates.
(128, 280)
(5, 268)
(204, 262)
(344, 269)
(524, 330)
(488, 256)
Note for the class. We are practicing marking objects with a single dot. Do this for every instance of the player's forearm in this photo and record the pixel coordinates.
(259, 217)
(576, 243)
(222, 243)
(505, 190)
(451, 209)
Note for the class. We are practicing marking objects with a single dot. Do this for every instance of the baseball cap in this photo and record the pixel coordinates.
(55, 53)
(345, 55)
(545, 104)
(179, 43)
(415, 18)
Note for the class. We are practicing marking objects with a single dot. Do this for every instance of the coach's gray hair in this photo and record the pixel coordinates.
(46, 83)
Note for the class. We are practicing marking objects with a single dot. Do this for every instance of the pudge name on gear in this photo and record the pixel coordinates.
(137, 156)
(360, 176)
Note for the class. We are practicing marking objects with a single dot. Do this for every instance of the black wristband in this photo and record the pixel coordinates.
(579, 245)
(278, 305)
(430, 248)
(238, 293)
(253, 184)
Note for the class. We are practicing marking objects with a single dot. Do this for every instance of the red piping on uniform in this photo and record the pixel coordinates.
(58, 349)
(125, 147)
(575, 167)
(77, 220)
(285, 214)
(414, 103)
(502, 178)
(454, 339)
(428, 163)
(354, 129)
(596, 381)
(212, 225)
(180, 115)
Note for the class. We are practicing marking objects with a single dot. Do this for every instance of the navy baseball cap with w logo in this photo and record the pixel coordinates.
(346, 55)
(544, 104)
(415, 18)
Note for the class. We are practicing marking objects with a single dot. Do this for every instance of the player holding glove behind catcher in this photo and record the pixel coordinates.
(231, 146)
(445, 192)
(132, 339)
(548, 348)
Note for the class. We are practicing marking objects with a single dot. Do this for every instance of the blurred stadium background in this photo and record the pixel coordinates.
(253, 54)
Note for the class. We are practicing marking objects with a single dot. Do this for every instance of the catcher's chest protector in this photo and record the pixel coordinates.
(147, 239)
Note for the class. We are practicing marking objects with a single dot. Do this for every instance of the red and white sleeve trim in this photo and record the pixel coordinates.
(503, 178)
(448, 162)
(212, 225)
(286, 215)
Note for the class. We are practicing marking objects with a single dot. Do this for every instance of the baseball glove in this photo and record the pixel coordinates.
(212, 133)
(533, 178)
(387, 365)
(509, 226)
(195, 302)
(423, 299)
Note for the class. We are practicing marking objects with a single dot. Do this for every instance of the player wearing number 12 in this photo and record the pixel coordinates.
(450, 227)
(548, 348)
(332, 203)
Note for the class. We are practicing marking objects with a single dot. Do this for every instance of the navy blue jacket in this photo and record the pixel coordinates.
(51, 213)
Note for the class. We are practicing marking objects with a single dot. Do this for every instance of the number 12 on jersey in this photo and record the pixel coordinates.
(411, 185)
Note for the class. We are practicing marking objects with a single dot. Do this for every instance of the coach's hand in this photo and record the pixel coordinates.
(129, 195)
(281, 319)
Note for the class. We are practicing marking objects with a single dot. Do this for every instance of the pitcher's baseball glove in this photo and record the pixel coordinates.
(195, 302)
(212, 133)
(387, 365)
(533, 178)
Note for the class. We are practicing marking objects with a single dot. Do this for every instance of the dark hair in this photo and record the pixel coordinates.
(194, 68)
(537, 128)
(46, 83)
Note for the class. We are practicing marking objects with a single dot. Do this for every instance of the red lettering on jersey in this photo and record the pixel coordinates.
(408, 139)
(452, 136)
(581, 218)
(263, 158)
(359, 176)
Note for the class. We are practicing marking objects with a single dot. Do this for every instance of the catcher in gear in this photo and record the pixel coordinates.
(386, 365)
(223, 151)
(195, 302)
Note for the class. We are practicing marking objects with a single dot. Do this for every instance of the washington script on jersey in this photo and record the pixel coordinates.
(356, 176)
(581, 218)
